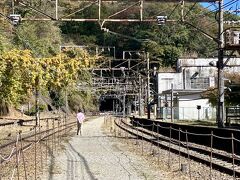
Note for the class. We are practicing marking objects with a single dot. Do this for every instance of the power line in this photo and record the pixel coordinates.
(162, 11)
(189, 10)
(214, 10)
(213, 23)
(173, 11)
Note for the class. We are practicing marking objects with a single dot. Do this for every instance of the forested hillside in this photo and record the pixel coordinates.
(165, 43)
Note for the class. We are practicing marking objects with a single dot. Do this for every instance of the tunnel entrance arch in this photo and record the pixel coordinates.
(110, 103)
(115, 104)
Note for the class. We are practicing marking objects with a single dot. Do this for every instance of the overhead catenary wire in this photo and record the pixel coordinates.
(197, 15)
(26, 44)
(190, 9)
(214, 11)
(37, 10)
(171, 13)
(122, 35)
(212, 24)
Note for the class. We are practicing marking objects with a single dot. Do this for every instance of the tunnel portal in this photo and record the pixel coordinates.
(110, 104)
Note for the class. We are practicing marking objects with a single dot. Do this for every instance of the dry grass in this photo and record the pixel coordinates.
(159, 158)
(46, 151)
(10, 132)
(197, 123)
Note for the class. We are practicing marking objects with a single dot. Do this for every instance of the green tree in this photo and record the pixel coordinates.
(19, 71)
(42, 38)
(231, 94)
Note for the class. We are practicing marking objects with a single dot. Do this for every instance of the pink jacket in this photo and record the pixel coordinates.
(80, 117)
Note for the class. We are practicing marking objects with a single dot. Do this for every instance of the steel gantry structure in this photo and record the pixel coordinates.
(122, 12)
(60, 11)
(126, 79)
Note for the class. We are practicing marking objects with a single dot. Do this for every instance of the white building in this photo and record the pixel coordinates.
(191, 78)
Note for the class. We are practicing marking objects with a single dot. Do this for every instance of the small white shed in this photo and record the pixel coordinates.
(192, 77)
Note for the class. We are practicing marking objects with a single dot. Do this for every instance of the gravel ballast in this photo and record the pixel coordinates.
(95, 155)
(106, 152)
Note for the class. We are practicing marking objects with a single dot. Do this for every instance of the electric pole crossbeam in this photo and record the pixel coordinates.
(102, 20)
(220, 107)
(60, 16)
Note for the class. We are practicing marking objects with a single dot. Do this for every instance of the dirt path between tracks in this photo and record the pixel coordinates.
(97, 155)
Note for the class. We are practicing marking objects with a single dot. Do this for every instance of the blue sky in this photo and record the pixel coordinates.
(229, 4)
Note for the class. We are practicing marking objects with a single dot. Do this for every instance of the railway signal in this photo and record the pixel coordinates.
(15, 19)
(161, 20)
(232, 39)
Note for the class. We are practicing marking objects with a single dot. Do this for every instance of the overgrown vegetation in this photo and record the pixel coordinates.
(21, 73)
(31, 50)
(231, 94)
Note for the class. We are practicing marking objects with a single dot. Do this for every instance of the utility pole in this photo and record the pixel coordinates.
(37, 100)
(140, 96)
(158, 97)
(159, 112)
(99, 10)
(56, 15)
(148, 88)
(13, 7)
(124, 105)
(66, 101)
(135, 104)
(172, 102)
(220, 66)
(113, 106)
(182, 10)
(124, 102)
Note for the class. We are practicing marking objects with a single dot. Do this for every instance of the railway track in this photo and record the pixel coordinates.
(32, 148)
(22, 122)
(215, 159)
(28, 139)
(24, 156)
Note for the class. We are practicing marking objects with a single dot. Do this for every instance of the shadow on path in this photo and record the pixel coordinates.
(52, 160)
(84, 162)
(117, 137)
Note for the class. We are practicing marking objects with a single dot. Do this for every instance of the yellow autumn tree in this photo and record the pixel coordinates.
(19, 72)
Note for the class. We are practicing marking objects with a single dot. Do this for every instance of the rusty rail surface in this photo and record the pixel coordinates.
(224, 162)
(15, 149)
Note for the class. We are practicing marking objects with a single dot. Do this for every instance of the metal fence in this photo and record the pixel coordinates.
(189, 113)
(24, 157)
(183, 156)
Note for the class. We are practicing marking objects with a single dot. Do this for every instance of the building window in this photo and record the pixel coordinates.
(167, 82)
(200, 83)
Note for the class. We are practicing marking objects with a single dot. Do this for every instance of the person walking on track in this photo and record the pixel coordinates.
(80, 119)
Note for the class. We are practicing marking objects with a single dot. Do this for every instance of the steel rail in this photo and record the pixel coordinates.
(219, 161)
(69, 125)
(28, 135)
(21, 121)
(23, 138)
